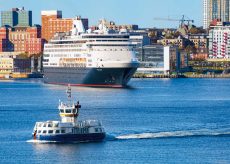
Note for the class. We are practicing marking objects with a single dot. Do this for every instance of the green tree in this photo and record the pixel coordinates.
(194, 30)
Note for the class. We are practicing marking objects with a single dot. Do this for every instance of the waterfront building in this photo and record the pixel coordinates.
(200, 41)
(219, 42)
(21, 39)
(140, 40)
(52, 23)
(6, 65)
(13, 63)
(158, 59)
(16, 17)
(180, 42)
(26, 39)
(215, 10)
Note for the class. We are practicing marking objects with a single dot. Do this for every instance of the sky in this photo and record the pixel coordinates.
(140, 12)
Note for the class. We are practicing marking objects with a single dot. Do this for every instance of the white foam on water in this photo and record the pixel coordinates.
(39, 141)
(192, 133)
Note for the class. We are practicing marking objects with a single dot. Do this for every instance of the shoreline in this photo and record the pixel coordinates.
(183, 76)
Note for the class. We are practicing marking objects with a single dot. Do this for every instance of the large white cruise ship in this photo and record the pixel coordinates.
(100, 58)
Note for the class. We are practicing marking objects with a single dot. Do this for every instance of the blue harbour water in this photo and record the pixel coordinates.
(153, 121)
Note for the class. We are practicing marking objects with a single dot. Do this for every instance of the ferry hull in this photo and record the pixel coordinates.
(94, 77)
(92, 137)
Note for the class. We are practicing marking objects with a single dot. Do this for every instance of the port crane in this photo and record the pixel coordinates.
(181, 21)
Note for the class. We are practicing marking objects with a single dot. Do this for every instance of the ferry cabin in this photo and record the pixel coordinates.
(58, 128)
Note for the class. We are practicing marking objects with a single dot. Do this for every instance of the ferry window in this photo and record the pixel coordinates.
(96, 130)
(68, 110)
(44, 125)
(39, 131)
(62, 131)
(39, 125)
(74, 110)
(44, 131)
(50, 131)
(55, 125)
(49, 125)
(62, 110)
(57, 131)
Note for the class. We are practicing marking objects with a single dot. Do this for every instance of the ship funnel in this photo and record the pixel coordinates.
(78, 26)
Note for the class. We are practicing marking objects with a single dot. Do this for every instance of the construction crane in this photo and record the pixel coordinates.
(181, 21)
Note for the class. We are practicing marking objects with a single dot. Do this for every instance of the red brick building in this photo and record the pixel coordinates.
(52, 22)
(21, 39)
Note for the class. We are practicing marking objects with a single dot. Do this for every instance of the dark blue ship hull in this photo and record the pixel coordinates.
(92, 137)
(101, 77)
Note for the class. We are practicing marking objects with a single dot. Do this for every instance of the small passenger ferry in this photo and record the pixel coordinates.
(69, 129)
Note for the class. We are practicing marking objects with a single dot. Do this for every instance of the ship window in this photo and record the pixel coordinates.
(39, 131)
(56, 125)
(39, 125)
(62, 131)
(44, 125)
(74, 110)
(96, 130)
(45, 60)
(62, 110)
(44, 131)
(68, 110)
(50, 131)
(57, 131)
(49, 125)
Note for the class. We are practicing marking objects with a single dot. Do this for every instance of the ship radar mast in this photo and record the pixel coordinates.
(69, 111)
(69, 94)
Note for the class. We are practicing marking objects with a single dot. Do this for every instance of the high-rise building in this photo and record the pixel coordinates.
(205, 9)
(16, 17)
(216, 10)
(52, 22)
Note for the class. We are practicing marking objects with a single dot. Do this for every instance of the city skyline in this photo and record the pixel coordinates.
(216, 10)
(141, 13)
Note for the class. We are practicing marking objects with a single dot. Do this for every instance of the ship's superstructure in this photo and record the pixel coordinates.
(90, 58)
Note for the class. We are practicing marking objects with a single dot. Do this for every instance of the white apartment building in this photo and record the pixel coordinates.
(219, 42)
